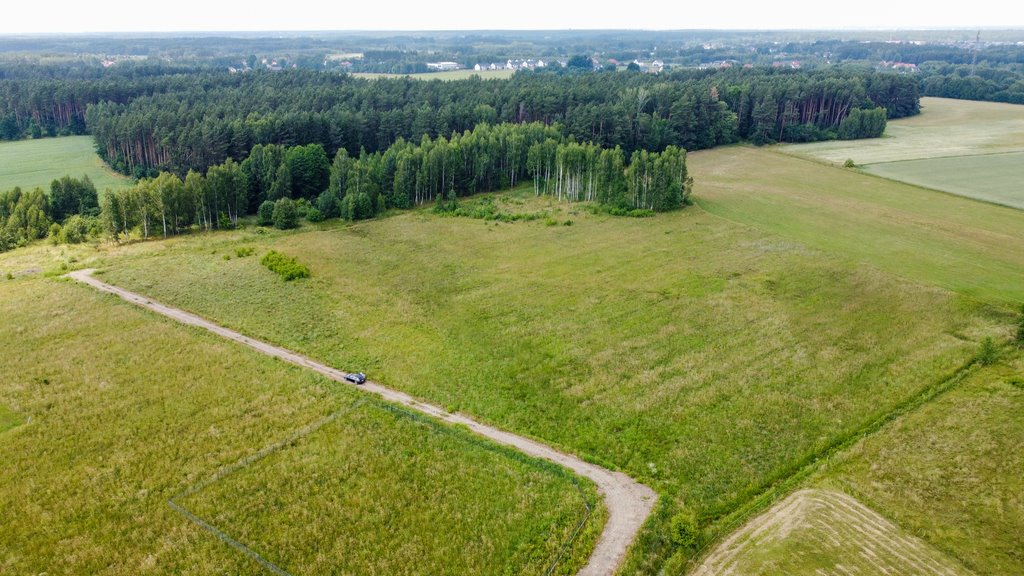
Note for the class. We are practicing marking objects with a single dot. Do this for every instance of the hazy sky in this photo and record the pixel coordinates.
(20, 16)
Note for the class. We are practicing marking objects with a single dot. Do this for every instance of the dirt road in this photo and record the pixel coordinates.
(629, 503)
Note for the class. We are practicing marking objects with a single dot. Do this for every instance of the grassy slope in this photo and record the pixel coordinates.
(966, 246)
(128, 410)
(950, 472)
(697, 355)
(32, 163)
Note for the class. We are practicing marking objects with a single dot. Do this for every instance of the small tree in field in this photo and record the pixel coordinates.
(265, 214)
(285, 214)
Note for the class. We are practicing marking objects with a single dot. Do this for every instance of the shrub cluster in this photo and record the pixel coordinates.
(286, 267)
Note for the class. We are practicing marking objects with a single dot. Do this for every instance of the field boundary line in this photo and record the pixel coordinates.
(774, 490)
(629, 503)
(245, 462)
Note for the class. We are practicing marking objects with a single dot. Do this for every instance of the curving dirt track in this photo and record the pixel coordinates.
(629, 503)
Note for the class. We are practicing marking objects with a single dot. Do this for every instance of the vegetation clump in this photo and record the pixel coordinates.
(286, 267)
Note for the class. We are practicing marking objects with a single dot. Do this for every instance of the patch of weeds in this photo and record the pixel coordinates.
(286, 267)
(244, 251)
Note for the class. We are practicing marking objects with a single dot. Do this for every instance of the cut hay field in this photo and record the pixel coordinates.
(950, 472)
(825, 532)
(146, 447)
(446, 75)
(969, 247)
(36, 163)
(701, 357)
(973, 149)
(995, 178)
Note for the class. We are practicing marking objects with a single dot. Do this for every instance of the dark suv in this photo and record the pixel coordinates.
(356, 378)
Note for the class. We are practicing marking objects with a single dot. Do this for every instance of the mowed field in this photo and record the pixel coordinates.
(974, 149)
(699, 356)
(134, 445)
(36, 163)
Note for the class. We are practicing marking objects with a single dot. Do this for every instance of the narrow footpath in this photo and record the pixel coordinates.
(629, 502)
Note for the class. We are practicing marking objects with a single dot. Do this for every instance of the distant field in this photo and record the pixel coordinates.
(32, 163)
(969, 247)
(944, 128)
(446, 75)
(973, 149)
(997, 178)
(129, 412)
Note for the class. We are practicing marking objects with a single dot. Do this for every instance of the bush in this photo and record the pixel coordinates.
(287, 268)
(265, 213)
(243, 252)
(683, 530)
(224, 222)
(327, 204)
(988, 352)
(314, 215)
(76, 229)
(285, 214)
(849, 163)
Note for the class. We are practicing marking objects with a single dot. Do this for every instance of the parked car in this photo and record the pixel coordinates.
(356, 378)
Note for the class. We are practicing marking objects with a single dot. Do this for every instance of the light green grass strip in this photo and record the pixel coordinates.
(8, 419)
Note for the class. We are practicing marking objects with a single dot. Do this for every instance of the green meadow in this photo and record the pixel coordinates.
(702, 357)
(36, 163)
(147, 447)
(938, 239)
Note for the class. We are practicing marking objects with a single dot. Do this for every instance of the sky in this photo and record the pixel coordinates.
(63, 16)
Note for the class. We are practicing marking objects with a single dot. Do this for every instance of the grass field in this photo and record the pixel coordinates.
(129, 411)
(973, 149)
(825, 532)
(994, 178)
(446, 75)
(32, 163)
(700, 356)
(965, 246)
(950, 472)
(8, 419)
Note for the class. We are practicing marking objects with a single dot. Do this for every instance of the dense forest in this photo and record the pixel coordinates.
(283, 184)
(179, 122)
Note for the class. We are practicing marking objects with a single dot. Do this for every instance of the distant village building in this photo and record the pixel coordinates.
(898, 66)
(443, 66)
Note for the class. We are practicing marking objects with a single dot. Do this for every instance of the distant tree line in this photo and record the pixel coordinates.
(966, 82)
(178, 122)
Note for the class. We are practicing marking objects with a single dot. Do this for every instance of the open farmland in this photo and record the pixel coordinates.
(36, 163)
(145, 447)
(939, 239)
(711, 360)
(974, 149)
